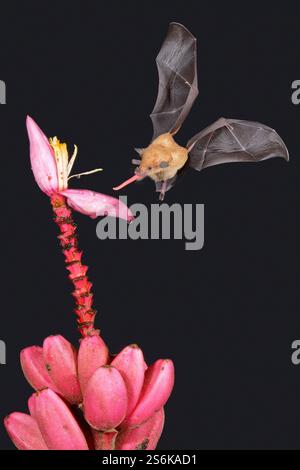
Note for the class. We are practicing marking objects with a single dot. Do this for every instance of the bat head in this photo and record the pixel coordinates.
(155, 160)
(162, 158)
(160, 161)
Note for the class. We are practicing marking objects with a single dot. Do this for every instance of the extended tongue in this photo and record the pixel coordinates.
(127, 182)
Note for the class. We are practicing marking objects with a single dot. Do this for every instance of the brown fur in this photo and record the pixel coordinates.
(162, 149)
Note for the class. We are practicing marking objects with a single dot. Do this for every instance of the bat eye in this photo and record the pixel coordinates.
(149, 167)
(164, 165)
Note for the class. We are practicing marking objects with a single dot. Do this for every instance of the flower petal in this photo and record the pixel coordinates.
(105, 399)
(158, 385)
(34, 368)
(92, 354)
(57, 424)
(143, 437)
(96, 204)
(131, 365)
(60, 359)
(42, 158)
(24, 432)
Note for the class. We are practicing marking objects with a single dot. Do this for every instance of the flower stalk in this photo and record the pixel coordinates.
(77, 271)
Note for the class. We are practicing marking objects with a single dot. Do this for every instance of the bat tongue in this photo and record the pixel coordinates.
(127, 182)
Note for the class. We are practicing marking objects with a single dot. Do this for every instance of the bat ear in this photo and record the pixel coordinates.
(139, 151)
(164, 164)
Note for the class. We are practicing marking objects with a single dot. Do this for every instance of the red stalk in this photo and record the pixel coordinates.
(82, 286)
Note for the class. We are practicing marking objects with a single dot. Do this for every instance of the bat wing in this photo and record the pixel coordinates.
(231, 140)
(178, 84)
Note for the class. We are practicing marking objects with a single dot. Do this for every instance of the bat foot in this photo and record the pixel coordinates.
(163, 191)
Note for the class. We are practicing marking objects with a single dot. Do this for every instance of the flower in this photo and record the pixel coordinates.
(89, 399)
(52, 168)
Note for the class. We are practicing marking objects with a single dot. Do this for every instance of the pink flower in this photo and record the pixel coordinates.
(52, 168)
(86, 401)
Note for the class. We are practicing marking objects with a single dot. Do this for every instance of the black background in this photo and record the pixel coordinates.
(227, 314)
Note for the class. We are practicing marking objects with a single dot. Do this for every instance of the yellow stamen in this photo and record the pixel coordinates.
(62, 158)
(64, 166)
(72, 160)
(85, 173)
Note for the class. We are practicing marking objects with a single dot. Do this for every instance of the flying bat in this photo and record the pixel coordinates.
(224, 141)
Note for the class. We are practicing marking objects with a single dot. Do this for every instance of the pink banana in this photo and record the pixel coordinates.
(92, 354)
(24, 432)
(143, 437)
(105, 399)
(34, 368)
(131, 365)
(57, 424)
(158, 385)
(61, 363)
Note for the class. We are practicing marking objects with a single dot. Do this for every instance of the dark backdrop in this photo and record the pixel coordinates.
(228, 314)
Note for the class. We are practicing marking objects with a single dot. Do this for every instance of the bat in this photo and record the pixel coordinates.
(224, 141)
